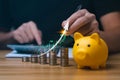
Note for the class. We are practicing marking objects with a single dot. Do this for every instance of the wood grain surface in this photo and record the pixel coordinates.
(15, 69)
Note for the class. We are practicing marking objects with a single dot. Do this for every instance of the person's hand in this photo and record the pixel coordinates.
(82, 21)
(28, 32)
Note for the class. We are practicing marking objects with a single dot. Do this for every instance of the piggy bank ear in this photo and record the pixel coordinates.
(77, 35)
(96, 37)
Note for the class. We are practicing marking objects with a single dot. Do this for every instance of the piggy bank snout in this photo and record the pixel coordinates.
(81, 54)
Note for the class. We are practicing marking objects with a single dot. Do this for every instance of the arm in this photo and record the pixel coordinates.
(111, 33)
(6, 38)
(85, 22)
(26, 33)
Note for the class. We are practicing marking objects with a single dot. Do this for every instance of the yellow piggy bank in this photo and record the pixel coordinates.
(90, 51)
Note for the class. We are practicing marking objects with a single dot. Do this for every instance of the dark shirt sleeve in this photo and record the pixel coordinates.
(4, 16)
(101, 7)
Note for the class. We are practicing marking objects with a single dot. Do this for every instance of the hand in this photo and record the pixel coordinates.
(28, 32)
(82, 21)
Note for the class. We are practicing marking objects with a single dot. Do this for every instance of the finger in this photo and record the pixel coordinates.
(76, 15)
(17, 37)
(23, 33)
(63, 23)
(86, 29)
(28, 33)
(80, 22)
(40, 32)
(94, 27)
(35, 32)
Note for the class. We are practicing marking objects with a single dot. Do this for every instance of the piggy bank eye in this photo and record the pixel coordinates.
(77, 44)
(88, 45)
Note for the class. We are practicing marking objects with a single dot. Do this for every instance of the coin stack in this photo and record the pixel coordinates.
(64, 60)
(34, 58)
(52, 57)
(25, 59)
(43, 59)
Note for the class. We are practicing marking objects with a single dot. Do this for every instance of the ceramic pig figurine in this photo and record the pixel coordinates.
(90, 51)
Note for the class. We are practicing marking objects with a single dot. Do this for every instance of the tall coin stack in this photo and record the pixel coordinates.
(52, 57)
(64, 60)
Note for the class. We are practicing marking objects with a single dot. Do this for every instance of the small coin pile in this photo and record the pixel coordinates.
(25, 59)
(34, 58)
(52, 59)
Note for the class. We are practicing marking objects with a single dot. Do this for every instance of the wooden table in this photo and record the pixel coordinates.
(15, 69)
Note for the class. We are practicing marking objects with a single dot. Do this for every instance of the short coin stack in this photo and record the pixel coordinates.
(25, 59)
(34, 58)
